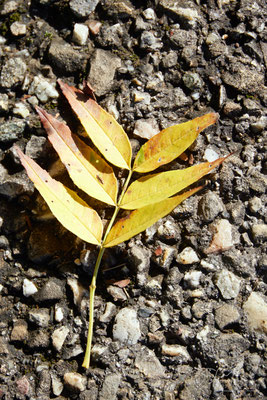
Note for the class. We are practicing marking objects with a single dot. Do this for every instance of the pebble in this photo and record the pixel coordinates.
(190, 16)
(187, 256)
(226, 315)
(40, 317)
(59, 314)
(255, 204)
(12, 130)
(77, 290)
(43, 89)
(18, 29)
(59, 336)
(13, 72)
(222, 237)
(149, 14)
(148, 41)
(19, 332)
(38, 340)
(146, 128)
(140, 259)
(170, 59)
(259, 232)
(74, 381)
(21, 109)
(80, 34)
(210, 206)
(175, 350)
(23, 385)
(210, 154)
(228, 284)
(126, 327)
(243, 78)
(147, 362)
(28, 288)
(110, 387)
(192, 279)
(36, 147)
(141, 97)
(3, 102)
(117, 293)
(192, 80)
(102, 71)
(163, 255)
(57, 385)
(52, 290)
(256, 309)
(83, 8)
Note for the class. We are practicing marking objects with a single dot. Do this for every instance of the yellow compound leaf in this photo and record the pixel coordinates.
(138, 220)
(105, 132)
(73, 213)
(156, 187)
(170, 143)
(88, 170)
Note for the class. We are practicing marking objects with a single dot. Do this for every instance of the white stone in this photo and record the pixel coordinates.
(28, 288)
(126, 328)
(75, 381)
(147, 362)
(59, 336)
(80, 34)
(256, 309)
(146, 128)
(210, 155)
(176, 350)
(192, 278)
(228, 284)
(57, 385)
(3, 102)
(59, 315)
(43, 89)
(222, 238)
(18, 29)
(21, 110)
(187, 256)
(141, 96)
(149, 14)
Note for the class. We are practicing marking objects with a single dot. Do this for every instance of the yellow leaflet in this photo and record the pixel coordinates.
(170, 143)
(87, 169)
(138, 220)
(153, 188)
(107, 135)
(73, 213)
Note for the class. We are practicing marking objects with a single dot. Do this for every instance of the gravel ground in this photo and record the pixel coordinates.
(191, 322)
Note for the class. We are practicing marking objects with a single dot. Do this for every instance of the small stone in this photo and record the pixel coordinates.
(110, 311)
(175, 350)
(21, 110)
(243, 78)
(141, 97)
(3, 102)
(57, 385)
(75, 382)
(59, 336)
(110, 387)
(126, 327)
(147, 362)
(148, 41)
(187, 256)
(192, 279)
(210, 155)
(38, 340)
(228, 284)
(77, 290)
(188, 16)
(28, 288)
(43, 89)
(102, 71)
(255, 204)
(149, 14)
(180, 99)
(256, 309)
(140, 259)
(210, 206)
(163, 255)
(9, 6)
(192, 80)
(232, 109)
(59, 315)
(94, 27)
(80, 34)
(52, 290)
(36, 147)
(222, 238)
(18, 29)
(226, 315)
(146, 128)
(23, 385)
(170, 60)
(20, 331)
(259, 232)
(13, 72)
(117, 293)
(40, 317)
(83, 8)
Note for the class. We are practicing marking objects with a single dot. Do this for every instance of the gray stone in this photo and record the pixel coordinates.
(3, 102)
(19, 332)
(40, 317)
(163, 255)
(119, 8)
(102, 71)
(11, 186)
(255, 204)
(192, 279)
(187, 15)
(148, 41)
(257, 181)
(180, 99)
(110, 387)
(126, 327)
(83, 8)
(192, 81)
(36, 147)
(52, 290)
(170, 59)
(13, 72)
(226, 315)
(140, 259)
(147, 362)
(210, 206)
(21, 109)
(110, 311)
(228, 284)
(12, 130)
(38, 339)
(182, 38)
(43, 89)
(117, 293)
(196, 386)
(242, 78)
(65, 58)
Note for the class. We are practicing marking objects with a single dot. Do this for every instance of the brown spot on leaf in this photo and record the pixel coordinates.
(99, 179)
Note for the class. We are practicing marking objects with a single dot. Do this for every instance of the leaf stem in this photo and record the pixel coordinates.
(87, 356)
